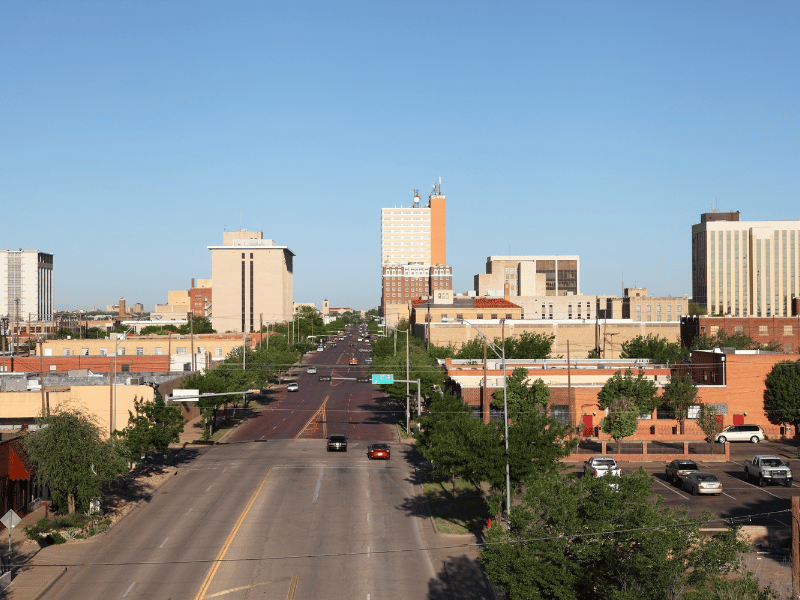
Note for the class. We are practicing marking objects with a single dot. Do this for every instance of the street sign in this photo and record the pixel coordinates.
(382, 379)
(10, 520)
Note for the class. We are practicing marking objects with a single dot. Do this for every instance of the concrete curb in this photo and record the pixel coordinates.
(50, 583)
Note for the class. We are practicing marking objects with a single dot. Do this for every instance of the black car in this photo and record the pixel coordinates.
(337, 443)
(678, 469)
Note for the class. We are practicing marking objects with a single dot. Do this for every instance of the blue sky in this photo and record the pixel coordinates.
(132, 133)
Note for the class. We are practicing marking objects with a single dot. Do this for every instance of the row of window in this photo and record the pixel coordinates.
(157, 351)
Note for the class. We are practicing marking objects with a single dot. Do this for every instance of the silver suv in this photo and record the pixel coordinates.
(740, 433)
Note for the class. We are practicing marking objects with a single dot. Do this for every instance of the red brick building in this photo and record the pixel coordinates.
(785, 331)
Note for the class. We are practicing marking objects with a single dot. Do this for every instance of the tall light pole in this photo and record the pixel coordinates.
(501, 354)
(408, 397)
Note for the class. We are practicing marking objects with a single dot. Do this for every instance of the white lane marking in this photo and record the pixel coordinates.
(367, 517)
(130, 587)
(670, 488)
(225, 469)
(369, 551)
(209, 487)
(164, 542)
(319, 483)
(728, 495)
(188, 511)
(367, 493)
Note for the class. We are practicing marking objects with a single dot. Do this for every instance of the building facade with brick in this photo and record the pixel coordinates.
(782, 331)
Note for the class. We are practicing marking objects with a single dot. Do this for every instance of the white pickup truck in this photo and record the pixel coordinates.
(768, 469)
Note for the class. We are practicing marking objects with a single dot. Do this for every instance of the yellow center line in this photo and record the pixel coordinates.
(217, 561)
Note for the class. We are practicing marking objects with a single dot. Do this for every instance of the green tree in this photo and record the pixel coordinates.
(679, 394)
(71, 457)
(709, 422)
(640, 390)
(782, 393)
(472, 350)
(587, 540)
(521, 398)
(154, 426)
(532, 346)
(622, 419)
(655, 348)
(697, 309)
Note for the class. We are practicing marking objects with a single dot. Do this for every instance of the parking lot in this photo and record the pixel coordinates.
(741, 502)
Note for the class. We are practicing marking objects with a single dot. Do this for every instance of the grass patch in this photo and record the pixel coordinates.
(466, 512)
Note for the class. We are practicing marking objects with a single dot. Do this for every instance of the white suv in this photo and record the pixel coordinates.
(740, 433)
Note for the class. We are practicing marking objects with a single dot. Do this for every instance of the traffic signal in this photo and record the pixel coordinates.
(363, 380)
(324, 377)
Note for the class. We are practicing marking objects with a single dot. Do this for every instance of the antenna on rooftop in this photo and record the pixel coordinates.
(416, 197)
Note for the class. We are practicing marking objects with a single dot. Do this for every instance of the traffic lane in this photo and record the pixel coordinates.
(361, 412)
(337, 522)
(740, 501)
(165, 548)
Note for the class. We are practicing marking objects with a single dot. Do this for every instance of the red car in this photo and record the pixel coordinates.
(353, 361)
(378, 451)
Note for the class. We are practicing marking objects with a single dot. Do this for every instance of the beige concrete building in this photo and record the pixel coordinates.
(252, 282)
(177, 306)
(745, 268)
(583, 335)
(547, 275)
(638, 306)
(26, 286)
(94, 400)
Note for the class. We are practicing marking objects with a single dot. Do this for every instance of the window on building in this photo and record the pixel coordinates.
(217, 351)
(714, 329)
(120, 351)
(125, 368)
(157, 350)
(739, 329)
(479, 316)
(180, 350)
(787, 330)
(494, 315)
(444, 318)
(508, 316)
(84, 352)
(560, 412)
(763, 330)
(103, 352)
(187, 366)
(140, 352)
(53, 368)
(65, 352)
(201, 350)
(459, 316)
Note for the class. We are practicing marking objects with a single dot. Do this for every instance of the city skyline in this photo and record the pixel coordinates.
(133, 132)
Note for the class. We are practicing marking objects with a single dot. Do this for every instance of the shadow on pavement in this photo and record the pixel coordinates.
(461, 578)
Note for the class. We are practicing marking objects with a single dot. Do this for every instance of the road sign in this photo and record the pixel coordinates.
(382, 379)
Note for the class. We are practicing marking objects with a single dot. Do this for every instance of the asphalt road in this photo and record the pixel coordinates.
(272, 514)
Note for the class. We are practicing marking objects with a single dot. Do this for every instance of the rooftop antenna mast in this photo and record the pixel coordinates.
(416, 197)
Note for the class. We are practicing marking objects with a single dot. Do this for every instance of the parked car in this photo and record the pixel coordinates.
(600, 466)
(320, 348)
(698, 482)
(768, 469)
(311, 370)
(378, 451)
(740, 433)
(337, 443)
(678, 469)
(292, 387)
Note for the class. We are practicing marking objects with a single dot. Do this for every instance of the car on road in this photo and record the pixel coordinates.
(378, 451)
(740, 433)
(292, 387)
(678, 469)
(353, 361)
(337, 443)
(600, 466)
(698, 482)
(320, 348)
(311, 370)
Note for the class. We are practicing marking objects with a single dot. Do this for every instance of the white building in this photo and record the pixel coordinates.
(26, 286)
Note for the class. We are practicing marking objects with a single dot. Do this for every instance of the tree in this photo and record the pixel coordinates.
(697, 309)
(521, 398)
(679, 394)
(533, 346)
(154, 427)
(622, 419)
(640, 390)
(70, 456)
(709, 422)
(655, 348)
(782, 393)
(587, 540)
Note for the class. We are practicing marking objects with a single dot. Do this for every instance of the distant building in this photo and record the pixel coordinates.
(745, 268)
(252, 281)
(638, 306)
(546, 275)
(26, 286)
(200, 298)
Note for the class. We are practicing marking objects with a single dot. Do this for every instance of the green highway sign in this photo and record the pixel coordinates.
(379, 379)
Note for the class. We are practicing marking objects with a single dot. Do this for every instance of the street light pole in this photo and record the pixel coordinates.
(408, 400)
(501, 355)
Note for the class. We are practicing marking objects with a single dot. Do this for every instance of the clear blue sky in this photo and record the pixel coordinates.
(132, 133)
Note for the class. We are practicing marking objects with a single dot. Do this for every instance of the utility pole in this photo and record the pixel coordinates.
(795, 546)
(41, 376)
(191, 339)
(261, 328)
(484, 396)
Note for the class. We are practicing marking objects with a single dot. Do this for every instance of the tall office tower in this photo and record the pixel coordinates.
(745, 268)
(414, 248)
(251, 280)
(26, 286)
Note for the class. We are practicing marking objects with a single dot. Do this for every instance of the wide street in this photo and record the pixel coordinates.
(272, 514)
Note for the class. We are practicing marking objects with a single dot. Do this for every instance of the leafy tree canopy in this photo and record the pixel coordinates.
(71, 457)
(782, 393)
(739, 340)
(708, 422)
(679, 394)
(622, 419)
(640, 390)
(154, 427)
(655, 348)
(585, 539)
